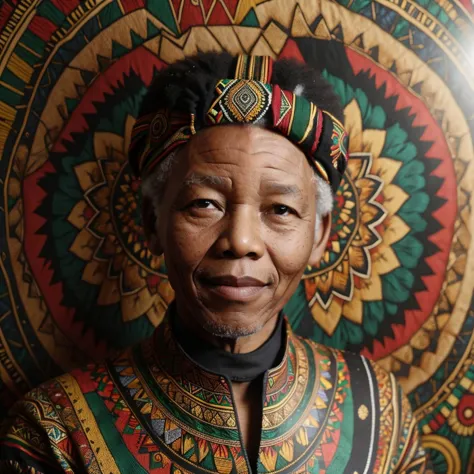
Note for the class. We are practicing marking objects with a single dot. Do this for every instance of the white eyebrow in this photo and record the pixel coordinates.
(279, 188)
(200, 179)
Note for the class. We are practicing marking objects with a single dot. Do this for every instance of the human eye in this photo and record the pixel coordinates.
(203, 208)
(282, 210)
(202, 204)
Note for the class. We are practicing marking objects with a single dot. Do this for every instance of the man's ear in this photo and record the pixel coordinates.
(321, 237)
(149, 226)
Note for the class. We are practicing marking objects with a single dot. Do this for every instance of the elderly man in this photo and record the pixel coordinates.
(239, 158)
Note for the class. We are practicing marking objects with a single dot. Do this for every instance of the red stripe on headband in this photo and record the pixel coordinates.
(158, 159)
(318, 132)
(276, 103)
(269, 70)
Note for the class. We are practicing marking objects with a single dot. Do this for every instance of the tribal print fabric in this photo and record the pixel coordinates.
(154, 410)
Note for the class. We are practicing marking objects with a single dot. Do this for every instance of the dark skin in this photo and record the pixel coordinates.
(237, 228)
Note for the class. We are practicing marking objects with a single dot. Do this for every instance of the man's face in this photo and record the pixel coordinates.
(237, 227)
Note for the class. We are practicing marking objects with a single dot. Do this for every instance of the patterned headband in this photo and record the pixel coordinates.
(246, 99)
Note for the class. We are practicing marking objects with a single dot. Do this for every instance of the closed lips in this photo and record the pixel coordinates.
(229, 280)
(231, 288)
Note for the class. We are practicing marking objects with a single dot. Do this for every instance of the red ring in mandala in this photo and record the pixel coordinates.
(465, 410)
(445, 214)
(143, 62)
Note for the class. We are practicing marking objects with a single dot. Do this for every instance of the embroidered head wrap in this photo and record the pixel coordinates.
(246, 99)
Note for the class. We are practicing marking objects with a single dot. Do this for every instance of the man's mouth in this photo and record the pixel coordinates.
(233, 288)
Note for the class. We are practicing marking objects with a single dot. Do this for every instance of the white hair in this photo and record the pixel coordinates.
(153, 188)
(299, 89)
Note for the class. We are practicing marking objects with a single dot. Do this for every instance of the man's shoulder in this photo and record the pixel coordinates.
(377, 402)
(58, 392)
(54, 392)
(358, 369)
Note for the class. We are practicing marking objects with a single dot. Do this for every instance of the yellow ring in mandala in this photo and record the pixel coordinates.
(446, 448)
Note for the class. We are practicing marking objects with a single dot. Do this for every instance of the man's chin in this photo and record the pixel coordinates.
(230, 331)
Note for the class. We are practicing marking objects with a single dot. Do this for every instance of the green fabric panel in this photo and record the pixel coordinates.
(124, 459)
(344, 449)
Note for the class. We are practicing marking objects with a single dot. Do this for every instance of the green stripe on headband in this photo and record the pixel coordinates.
(301, 118)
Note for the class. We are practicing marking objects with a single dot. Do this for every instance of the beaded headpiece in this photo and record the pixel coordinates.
(247, 98)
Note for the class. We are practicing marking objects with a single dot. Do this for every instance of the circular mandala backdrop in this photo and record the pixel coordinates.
(396, 282)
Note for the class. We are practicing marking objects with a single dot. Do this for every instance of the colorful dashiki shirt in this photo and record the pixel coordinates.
(155, 410)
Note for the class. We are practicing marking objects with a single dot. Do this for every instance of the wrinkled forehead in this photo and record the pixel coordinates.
(247, 149)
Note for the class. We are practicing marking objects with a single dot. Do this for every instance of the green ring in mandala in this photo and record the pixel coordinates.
(336, 259)
(119, 226)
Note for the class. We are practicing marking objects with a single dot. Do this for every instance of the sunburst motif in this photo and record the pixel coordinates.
(111, 239)
(357, 255)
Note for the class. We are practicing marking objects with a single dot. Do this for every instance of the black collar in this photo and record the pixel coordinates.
(237, 367)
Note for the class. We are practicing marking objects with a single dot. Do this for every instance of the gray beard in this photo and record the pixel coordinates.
(228, 332)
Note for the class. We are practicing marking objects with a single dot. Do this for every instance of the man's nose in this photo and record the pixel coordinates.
(242, 236)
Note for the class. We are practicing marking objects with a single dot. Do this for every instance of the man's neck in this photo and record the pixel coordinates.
(237, 345)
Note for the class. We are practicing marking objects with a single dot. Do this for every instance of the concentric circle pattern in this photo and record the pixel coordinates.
(396, 282)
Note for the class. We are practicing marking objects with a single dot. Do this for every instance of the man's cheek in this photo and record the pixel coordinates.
(288, 260)
(187, 237)
(182, 265)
